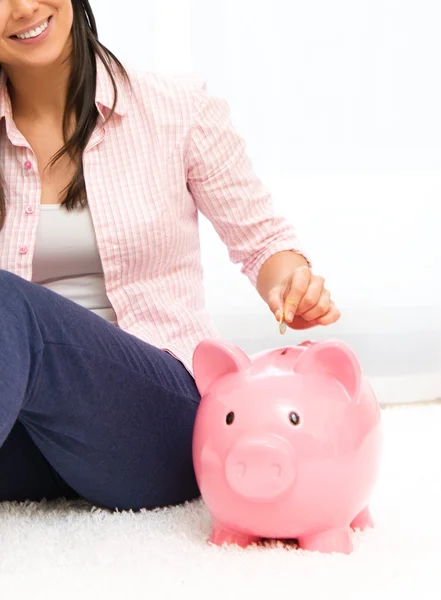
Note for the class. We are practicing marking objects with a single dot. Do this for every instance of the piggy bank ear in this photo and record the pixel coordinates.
(213, 359)
(334, 359)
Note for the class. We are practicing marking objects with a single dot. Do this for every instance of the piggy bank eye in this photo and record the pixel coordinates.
(294, 418)
(230, 418)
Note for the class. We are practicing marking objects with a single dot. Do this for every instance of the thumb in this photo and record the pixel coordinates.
(275, 301)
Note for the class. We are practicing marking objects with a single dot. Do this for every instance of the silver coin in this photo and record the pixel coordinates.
(282, 327)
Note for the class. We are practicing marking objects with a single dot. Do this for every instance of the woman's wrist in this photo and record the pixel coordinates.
(276, 269)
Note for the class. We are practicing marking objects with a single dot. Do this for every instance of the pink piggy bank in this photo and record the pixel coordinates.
(286, 445)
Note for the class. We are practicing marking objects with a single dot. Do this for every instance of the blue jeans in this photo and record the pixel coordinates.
(88, 410)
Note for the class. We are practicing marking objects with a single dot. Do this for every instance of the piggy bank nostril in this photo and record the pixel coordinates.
(240, 470)
(230, 418)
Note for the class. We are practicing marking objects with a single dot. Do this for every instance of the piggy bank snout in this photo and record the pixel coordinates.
(260, 469)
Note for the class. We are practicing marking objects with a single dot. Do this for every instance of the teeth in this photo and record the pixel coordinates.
(33, 32)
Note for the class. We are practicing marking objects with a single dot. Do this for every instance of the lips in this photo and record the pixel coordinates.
(31, 27)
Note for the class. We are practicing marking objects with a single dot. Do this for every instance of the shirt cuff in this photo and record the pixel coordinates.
(252, 270)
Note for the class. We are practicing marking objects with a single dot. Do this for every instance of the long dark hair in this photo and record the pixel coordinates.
(80, 102)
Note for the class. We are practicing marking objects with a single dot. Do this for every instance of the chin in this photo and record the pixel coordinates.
(47, 57)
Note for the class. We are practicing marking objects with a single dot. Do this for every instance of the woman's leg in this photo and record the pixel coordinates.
(112, 415)
(24, 472)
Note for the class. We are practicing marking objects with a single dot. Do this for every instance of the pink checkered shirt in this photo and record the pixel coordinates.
(169, 151)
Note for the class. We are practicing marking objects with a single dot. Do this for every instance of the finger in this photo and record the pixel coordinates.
(275, 302)
(312, 296)
(321, 308)
(300, 323)
(331, 316)
(299, 286)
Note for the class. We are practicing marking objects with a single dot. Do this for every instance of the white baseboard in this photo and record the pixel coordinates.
(407, 390)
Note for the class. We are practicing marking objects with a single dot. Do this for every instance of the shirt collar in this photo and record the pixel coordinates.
(104, 95)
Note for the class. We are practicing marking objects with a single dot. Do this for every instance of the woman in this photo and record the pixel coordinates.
(101, 291)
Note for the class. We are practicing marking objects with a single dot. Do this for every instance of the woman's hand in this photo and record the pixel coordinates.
(302, 301)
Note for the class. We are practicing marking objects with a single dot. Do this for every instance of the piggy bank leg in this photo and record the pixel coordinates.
(336, 540)
(220, 536)
(363, 520)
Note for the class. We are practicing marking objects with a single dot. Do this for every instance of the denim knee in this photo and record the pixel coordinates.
(9, 280)
(8, 285)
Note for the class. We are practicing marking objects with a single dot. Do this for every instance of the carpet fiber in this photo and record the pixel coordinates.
(71, 550)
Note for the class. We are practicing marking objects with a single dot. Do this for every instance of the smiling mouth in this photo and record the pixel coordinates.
(35, 33)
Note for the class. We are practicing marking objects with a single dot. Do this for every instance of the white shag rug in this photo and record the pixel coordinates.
(70, 550)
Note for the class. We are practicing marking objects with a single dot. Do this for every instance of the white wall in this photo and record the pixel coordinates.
(339, 103)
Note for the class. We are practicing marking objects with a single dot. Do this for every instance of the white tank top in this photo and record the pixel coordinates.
(66, 258)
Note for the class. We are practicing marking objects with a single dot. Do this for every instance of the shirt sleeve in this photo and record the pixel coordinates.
(226, 190)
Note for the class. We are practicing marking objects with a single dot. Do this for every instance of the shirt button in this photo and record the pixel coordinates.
(28, 165)
(29, 210)
(23, 250)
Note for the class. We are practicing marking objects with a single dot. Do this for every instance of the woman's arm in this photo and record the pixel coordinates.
(226, 190)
